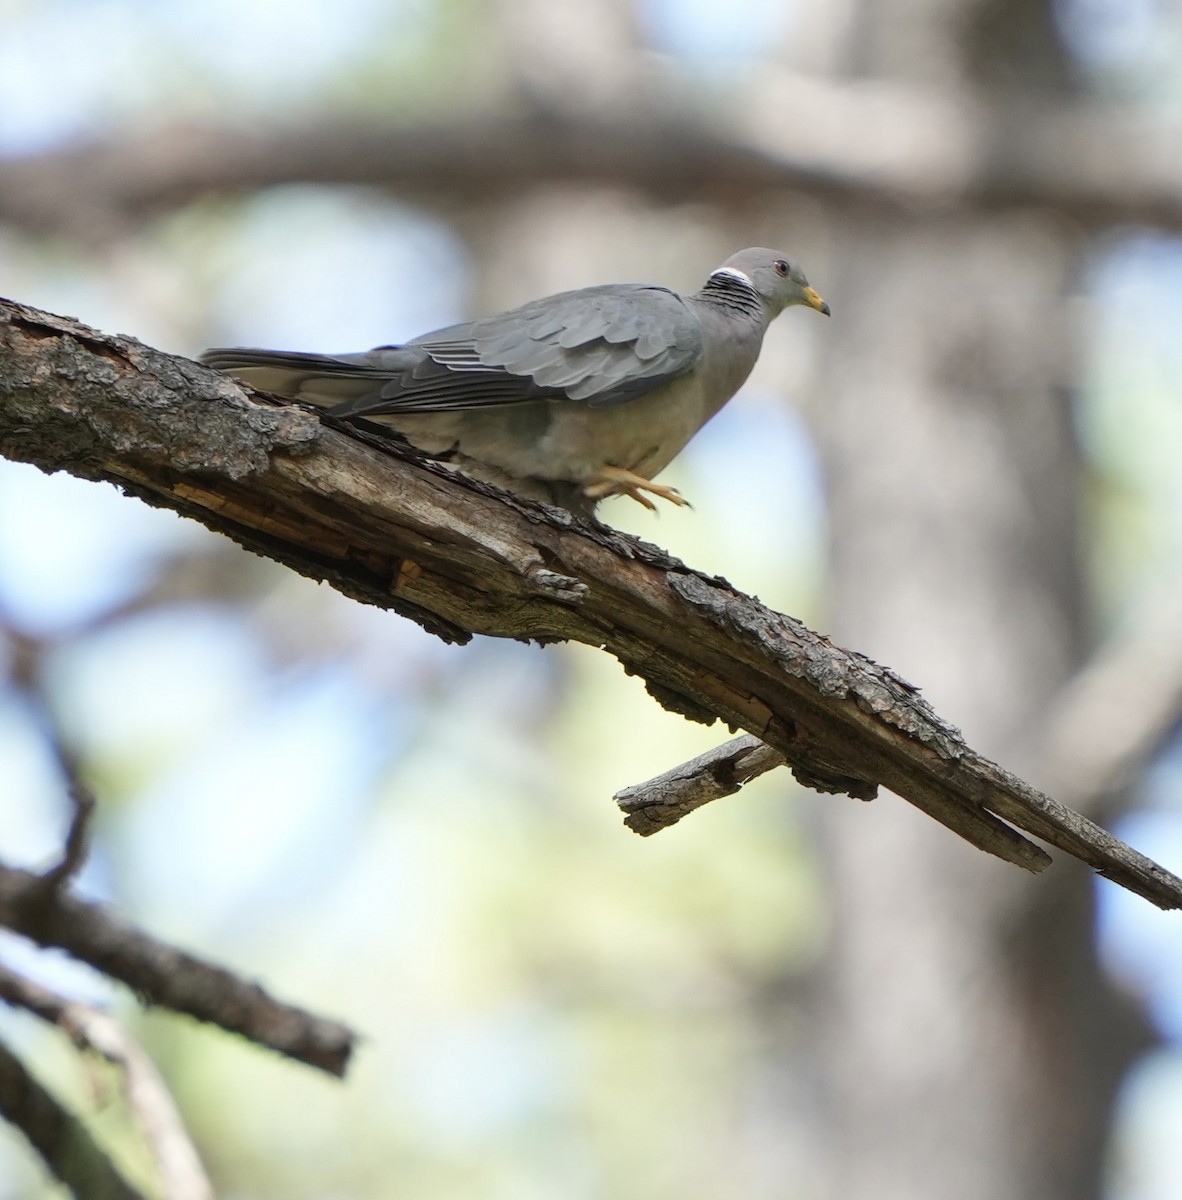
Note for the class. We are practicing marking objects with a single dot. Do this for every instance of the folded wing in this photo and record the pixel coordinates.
(601, 346)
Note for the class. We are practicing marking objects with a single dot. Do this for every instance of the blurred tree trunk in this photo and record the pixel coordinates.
(971, 1045)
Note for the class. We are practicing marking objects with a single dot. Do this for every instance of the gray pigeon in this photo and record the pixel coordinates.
(567, 399)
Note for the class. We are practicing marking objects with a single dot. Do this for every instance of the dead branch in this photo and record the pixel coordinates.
(461, 558)
(663, 801)
(178, 1165)
(58, 1136)
(41, 908)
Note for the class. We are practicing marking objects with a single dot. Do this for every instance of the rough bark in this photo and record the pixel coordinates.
(463, 558)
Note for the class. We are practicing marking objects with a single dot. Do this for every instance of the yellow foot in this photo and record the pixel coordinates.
(615, 481)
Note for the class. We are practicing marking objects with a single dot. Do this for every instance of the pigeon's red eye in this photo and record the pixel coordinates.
(781, 267)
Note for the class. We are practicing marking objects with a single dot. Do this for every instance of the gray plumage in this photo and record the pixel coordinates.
(567, 399)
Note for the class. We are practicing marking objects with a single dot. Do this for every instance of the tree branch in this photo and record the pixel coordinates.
(161, 974)
(461, 557)
(178, 1165)
(664, 800)
(25, 655)
(58, 1136)
(884, 143)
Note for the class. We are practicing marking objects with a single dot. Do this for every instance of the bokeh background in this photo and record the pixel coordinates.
(970, 472)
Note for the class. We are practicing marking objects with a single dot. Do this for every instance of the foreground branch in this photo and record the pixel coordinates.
(63, 1141)
(460, 558)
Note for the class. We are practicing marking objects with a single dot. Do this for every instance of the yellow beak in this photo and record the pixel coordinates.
(813, 300)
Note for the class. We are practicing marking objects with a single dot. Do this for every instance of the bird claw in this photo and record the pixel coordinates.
(615, 481)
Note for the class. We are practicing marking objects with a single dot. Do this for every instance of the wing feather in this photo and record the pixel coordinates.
(598, 346)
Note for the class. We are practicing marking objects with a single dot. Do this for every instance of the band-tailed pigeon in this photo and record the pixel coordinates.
(568, 399)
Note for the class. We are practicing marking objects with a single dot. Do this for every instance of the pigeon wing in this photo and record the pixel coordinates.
(600, 346)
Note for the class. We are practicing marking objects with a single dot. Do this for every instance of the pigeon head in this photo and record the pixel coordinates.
(776, 278)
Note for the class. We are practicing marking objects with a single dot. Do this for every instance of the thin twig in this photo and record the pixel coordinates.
(26, 656)
(20, 992)
(181, 1175)
(62, 1141)
(77, 841)
(178, 1165)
